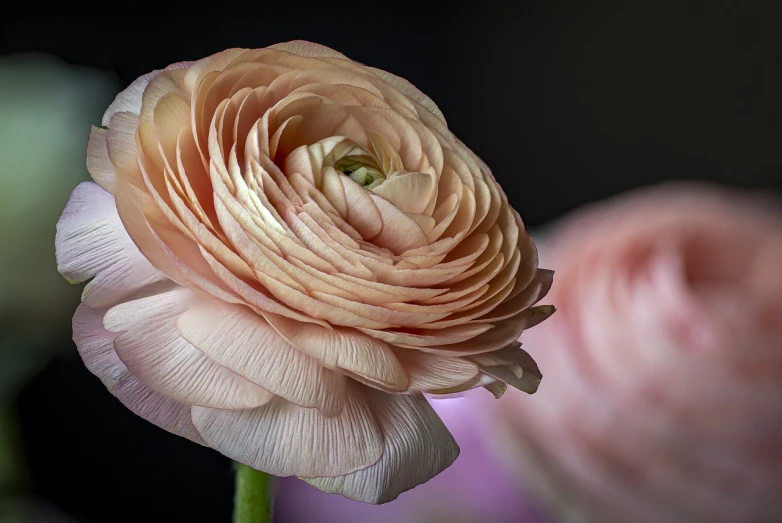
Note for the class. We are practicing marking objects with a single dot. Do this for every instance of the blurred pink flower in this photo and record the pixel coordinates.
(663, 397)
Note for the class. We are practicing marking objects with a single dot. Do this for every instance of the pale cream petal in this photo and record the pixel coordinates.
(526, 379)
(409, 192)
(511, 365)
(399, 233)
(428, 337)
(406, 88)
(418, 446)
(496, 387)
(521, 299)
(253, 296)
(283, 439)
(129, 100)
(504, 333)
(154, 352)
(237, 338)
(430, 372)
(362, 212)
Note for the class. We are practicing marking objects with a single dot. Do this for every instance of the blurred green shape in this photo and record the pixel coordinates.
(47, 108)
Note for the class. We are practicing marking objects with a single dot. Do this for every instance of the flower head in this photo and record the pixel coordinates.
(287, 249)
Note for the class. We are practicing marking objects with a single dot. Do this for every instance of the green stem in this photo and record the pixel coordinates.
(252, 498)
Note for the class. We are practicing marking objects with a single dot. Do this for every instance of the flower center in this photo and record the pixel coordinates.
(360, 171)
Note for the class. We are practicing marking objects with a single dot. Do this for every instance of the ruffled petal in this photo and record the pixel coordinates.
(96, 348)
(153, 351)
(346, 349)
(239, 339)
(283, 439)
(91, 242)
(418, 446)
(98, 162)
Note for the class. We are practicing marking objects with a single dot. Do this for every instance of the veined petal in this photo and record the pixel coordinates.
(346, 349)
(239, 339)
(153, 351)
(283, 439)
(91, 242)
(96, 348)
(417, 447)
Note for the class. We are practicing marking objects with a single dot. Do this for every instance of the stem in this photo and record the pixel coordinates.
(252, 498)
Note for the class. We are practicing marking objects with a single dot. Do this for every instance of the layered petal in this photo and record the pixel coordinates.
(153, 350)
(91, 243)
(417, 447)
(284, 439)
(96, 348)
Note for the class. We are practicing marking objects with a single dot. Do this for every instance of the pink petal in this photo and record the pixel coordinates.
(346, 349)
(91, 242)
(154, 352)
(239, 339)
(129, 100)
(96, 347)
(283, 439)
(418, 446)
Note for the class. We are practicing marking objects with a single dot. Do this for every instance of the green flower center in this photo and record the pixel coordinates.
(360, 171)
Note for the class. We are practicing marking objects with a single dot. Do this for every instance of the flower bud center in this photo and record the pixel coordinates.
(361, 171)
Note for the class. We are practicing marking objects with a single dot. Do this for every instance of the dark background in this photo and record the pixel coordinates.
(566, 102)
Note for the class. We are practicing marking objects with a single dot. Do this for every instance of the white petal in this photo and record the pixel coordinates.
(91, 242)
(283, 439)
(418, 446)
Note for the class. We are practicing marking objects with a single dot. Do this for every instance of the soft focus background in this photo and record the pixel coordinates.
(568, 103)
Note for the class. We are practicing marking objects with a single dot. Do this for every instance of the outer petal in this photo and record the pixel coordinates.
(284, 440)
(98, 162)
(92, 243)
(96, 347)
(305, 48)
(154, 351)
(129, 100)
(418, 446)
(430, 372)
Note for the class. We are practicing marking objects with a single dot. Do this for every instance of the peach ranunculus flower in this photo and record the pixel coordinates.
(287, 249)
(663, 400)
